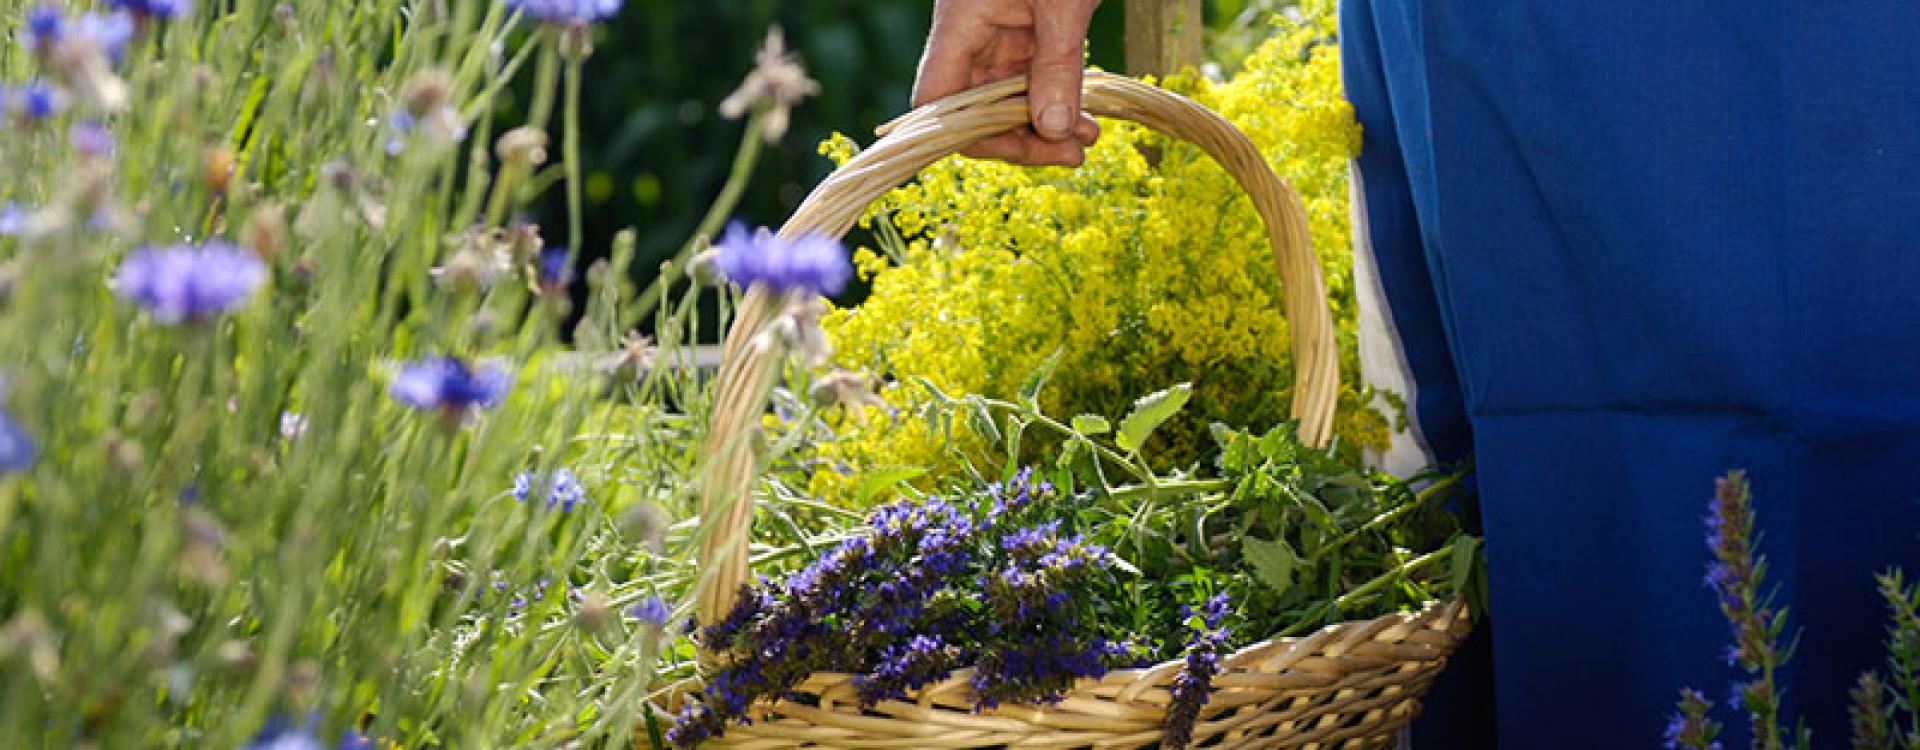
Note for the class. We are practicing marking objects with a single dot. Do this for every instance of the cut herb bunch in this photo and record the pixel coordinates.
(1036, 583)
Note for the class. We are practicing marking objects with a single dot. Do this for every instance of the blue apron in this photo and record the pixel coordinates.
(1625, 247)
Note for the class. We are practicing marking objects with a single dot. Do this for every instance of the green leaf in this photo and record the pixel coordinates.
(1466, 551)
(933, 390)
(1273, 561)
(980, 419)
(1149, 413)
(1091, 424)
(1037, 380)
(882, 480)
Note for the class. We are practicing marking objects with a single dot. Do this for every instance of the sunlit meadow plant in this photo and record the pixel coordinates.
(1145, 267)
(291, 451)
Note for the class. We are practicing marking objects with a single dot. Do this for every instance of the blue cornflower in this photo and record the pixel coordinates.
(35, 101)
(163, 9)
(13, 219)
(449, 385)
(91, 138)
(17, 449)
(45, 25)
(563, 488)
(189, 282)
(651, 611)
(280, 734)
(109, 33)
(812, 263)
(580, 12)
(555, 271)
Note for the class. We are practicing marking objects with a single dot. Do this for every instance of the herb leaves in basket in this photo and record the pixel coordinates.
(1034, 584)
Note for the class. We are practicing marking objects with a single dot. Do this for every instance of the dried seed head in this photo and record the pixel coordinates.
(524, 147)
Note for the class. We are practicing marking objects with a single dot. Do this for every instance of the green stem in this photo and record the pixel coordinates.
(570, 152)
(546, 76)
(1398, 572)
(723, 206)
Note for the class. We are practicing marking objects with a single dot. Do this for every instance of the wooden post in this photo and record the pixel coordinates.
(1163, 36)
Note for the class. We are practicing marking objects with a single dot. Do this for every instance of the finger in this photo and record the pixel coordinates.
(1086, 130)
(959, 33)
(1005, 147)
(1059, 55)
(1024, 147)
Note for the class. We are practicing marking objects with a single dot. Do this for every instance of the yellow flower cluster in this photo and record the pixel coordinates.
(1142, 275)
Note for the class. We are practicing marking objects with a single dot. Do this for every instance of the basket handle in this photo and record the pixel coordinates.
(909, 145)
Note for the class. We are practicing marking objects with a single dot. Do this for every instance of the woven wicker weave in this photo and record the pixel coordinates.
(1351, 685)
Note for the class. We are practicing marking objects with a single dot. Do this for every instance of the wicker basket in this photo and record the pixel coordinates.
(1350, 685)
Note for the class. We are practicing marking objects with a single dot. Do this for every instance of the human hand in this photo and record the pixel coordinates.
(973, 42)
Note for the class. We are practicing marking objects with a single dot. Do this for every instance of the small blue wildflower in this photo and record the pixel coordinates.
(280, 734)
(45, 25)
(110, 33)
(35, 101)
(555, 271)
(13, 219)
(563, 488)
(162, 9)
(576, 12)
(17, 449)
(353, 740)
(811, 263)
(189, 282)
(449, 385)
(91, 139)
(651, 611)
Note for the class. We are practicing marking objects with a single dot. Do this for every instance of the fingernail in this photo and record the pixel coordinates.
(1054, 120)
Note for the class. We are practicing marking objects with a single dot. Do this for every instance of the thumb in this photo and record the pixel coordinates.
(1059, 56)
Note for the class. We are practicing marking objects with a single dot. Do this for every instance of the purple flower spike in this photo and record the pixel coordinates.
(449, 385)
(189, 282)
(813, 263)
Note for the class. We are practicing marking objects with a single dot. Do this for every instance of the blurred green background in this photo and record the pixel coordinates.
(656, 151)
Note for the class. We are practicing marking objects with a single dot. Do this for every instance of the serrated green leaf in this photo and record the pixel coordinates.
(933, 390)
(1091, 424)
(1273, 562)
(980, 419)
(1149, 413)
(882, 480)
(1037, 380)
(1466, 551)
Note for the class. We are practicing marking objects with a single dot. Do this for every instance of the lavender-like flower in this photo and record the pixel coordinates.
(1194, 684)
(566, 12)
(562, 488)
(1689, 728)
(450, 386)
(810, 263)
(1737, 575)
(189, 283)
(896, 607)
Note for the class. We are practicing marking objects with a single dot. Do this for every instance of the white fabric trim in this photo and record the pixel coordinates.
(1383, 359)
